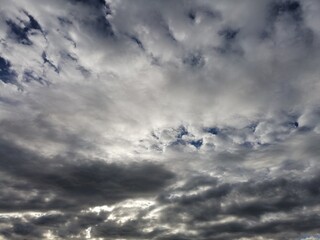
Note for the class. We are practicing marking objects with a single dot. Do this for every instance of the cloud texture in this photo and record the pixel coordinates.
(158, 120)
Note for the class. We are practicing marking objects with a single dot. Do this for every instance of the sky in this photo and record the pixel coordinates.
(163, 120)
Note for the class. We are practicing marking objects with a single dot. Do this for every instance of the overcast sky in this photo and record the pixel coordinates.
(160, 119)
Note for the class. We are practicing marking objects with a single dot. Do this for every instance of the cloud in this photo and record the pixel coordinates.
(149, 120)
(253, 208)
(6, 73)
(35, 183)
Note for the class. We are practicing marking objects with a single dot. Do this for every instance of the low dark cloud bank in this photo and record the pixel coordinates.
(30, 182)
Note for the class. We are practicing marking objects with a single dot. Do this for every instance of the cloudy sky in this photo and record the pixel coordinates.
(164, 120)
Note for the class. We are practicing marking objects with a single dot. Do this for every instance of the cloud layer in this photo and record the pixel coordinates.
(159, 119)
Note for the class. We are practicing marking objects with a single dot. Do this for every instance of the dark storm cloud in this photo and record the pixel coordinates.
(129, 230)
(248, 201)
(34, 183)
(277, 229)
(63, 225)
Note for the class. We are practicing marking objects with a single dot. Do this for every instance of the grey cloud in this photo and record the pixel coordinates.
(248, 202)
(276, 229)
(129, 230)
(220, 96)
(63, 225)
(34, 183)
(288, 7)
